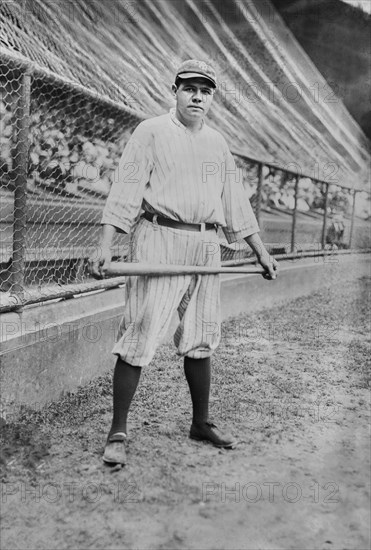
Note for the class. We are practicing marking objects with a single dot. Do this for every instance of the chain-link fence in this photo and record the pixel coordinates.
(59, 146)
(299, 213)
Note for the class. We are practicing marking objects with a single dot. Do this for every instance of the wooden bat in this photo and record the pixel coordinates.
(129, 269)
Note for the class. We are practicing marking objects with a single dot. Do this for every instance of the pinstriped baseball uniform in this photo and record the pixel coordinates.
(189, 177)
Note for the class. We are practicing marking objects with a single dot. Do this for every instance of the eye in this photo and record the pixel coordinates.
(206, 91)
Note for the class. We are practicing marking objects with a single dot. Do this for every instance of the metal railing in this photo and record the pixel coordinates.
(297, 176)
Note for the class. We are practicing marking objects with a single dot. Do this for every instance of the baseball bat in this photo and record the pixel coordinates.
(130, 269)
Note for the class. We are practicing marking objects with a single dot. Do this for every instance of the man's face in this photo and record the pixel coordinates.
(193, 99)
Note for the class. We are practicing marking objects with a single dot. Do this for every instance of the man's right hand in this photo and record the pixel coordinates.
(101, 258)
(99, 262)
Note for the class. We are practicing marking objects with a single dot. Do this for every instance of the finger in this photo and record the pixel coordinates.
(94, 270)
(92, 267)
(95, 273)
(275, 267)
(271, 273)
(103, 268)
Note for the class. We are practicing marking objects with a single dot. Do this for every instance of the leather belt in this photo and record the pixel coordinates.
(154, 218)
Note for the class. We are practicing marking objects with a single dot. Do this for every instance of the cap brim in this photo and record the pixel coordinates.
(185, 76)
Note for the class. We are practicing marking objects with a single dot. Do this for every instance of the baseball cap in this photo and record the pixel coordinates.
(193, 68)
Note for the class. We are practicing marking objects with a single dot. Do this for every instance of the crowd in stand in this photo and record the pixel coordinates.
(68, 157)
(62, 157)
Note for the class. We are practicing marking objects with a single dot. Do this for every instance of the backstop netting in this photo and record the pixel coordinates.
(71, 92)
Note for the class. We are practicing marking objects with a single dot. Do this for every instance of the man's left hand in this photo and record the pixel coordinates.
(270, 265)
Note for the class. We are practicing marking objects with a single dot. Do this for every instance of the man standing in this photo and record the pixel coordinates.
(182, 174)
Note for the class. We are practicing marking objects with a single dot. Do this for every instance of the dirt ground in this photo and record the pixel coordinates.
(291, 381)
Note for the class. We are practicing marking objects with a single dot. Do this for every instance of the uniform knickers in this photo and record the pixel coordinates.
(151, 301)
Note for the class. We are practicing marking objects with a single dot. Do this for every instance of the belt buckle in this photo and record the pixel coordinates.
(154, 221)
(202, 227)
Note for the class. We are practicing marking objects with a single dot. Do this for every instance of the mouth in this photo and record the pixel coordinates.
(195, 107)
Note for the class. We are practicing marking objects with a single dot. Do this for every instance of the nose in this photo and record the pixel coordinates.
(197, 96)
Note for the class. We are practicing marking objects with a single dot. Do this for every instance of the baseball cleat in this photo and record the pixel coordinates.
(211, 433)
(115, 451)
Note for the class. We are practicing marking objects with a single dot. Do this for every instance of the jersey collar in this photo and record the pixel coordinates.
(180, 124)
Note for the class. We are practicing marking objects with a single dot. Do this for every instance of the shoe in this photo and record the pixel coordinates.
(211, 433)
(115, 451)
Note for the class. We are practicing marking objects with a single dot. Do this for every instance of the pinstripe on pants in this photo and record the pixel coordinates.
(152, 301)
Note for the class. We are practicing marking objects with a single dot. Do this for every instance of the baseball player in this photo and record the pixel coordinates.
(175, 184)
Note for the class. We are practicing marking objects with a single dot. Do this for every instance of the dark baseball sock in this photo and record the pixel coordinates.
(125, 382)
(198, 375)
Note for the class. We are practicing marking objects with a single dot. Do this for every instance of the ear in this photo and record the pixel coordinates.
(174, 89)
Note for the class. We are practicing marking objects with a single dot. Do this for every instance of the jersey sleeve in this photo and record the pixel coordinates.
(129, 181)
(240, 218)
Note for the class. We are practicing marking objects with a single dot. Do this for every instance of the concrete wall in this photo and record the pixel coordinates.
(52, 348)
